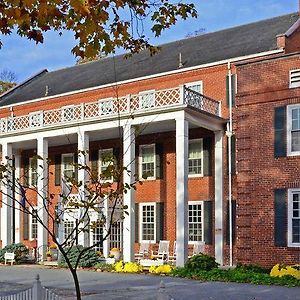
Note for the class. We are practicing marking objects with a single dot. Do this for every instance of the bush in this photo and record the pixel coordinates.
(20, 250)
(201, 262)
(88, 259)
(163, 269)
(104, 267)
(280, 271)
(129, 267)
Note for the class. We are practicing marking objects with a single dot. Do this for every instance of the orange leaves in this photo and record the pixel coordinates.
(99, 26)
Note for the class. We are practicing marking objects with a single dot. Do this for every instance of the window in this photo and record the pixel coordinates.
(68, 228)
(196, 157)
(293, 129)
(33, 224)
(68, 167)
(33, 173)
(97, 233)
(147, 161)
(294, 217)
(147, 99)
(295, 78)
(196, 86)
(195, 214)
(105, 160)
(116, 235)
(147, 222)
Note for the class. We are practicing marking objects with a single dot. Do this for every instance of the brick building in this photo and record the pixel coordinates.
(177, 111)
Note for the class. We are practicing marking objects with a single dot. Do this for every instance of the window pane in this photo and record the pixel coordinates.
(34, 224)
(296, 141)
(148, 161)
(97, 237)
(195, 222)
(148, 224)
(195, 161)
(196, 87)
(296, 230)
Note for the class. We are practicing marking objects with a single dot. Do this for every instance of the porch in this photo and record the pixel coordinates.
(177, 110)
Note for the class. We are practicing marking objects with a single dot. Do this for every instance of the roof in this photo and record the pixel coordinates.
(212, 47)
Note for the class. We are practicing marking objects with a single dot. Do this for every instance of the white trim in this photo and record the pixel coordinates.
(199, 82)
(101, 151)
(290, 216)
(195, 141)
(31, 238)
(289, 129)
(221, 62)
(141, 205)
(140, 161)
(200, 202)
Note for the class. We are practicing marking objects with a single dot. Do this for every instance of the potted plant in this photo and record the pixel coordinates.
(49, 255)
(115, 252)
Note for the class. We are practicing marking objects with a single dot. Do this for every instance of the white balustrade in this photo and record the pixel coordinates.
(109, 108)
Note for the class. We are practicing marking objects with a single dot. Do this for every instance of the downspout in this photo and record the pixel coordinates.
(229, 135)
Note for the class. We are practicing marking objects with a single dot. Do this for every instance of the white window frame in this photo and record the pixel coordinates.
(293, 85)
(63, 165)
(194, 141)
(193, 83)
(202, 217)
(31, 171)
(141, 205)
(101, 151)
(31, 238)
(141, 94)
(290, 217)
(141, 161)
(289, 129)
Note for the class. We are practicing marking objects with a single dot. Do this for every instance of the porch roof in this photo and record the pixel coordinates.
(212, 47)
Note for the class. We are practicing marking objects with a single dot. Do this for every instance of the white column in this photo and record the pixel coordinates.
(128, 177)
(83, 159)
(18, 198)
(42, 199)
(219, 186)
(106, 242)
(182, 145)
(6, 210)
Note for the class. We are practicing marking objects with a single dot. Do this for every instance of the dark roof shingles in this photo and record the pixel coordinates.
(229, 43)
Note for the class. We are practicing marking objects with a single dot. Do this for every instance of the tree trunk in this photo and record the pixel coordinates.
(76, 282)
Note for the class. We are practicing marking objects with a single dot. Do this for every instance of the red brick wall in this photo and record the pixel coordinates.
(262, 87)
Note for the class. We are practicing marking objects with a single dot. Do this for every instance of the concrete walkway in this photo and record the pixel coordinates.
(108, 286)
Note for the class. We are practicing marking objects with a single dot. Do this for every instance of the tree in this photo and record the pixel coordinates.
(7, 80)
(91, 198)
(98, 26)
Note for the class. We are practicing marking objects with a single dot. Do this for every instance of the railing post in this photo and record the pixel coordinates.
(37, 289)
(82, 111)
(181, 88)
(128, 103)
(220, 109)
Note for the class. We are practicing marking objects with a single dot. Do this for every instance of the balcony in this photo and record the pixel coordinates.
(150, 101)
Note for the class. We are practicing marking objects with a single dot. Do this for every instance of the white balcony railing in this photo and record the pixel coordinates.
(110, 107)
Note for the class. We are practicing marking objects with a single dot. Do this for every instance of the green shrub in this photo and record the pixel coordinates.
(201, 262)
(20, 250)
(254, 268)
(88, 259)
(104, 267)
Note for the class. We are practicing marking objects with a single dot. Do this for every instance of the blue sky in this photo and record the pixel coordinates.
(25, 58)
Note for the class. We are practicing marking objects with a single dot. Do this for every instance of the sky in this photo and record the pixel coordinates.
(25, 58)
